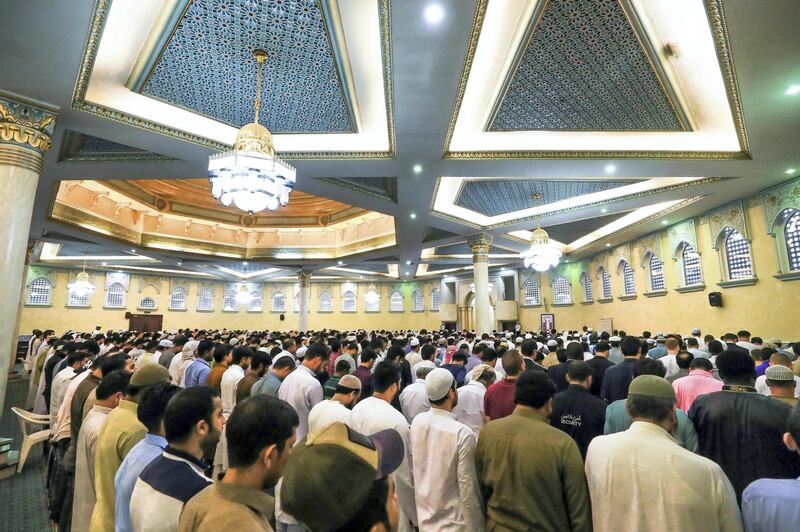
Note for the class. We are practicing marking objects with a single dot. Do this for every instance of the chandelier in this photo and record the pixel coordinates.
(250, 176)
(243, 297)
(372, 296)
(81, 287)
(542, 254)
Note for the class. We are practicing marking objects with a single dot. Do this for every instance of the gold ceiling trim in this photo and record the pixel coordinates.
(99, 17)
(89, 222)
(645, 193)
(719, 32)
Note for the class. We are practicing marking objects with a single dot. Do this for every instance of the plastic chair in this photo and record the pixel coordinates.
(26, 420)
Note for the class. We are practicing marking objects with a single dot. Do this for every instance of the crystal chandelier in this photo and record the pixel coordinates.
(81, 287)
(372, 296)
(250, 176)
(542, 254)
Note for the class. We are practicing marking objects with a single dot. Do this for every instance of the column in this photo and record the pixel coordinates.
(304, 276)
(25, 134)
(480, 245)
(12, 359)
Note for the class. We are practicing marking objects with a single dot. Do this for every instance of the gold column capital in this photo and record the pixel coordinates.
(480, 243)
(304, 276)
(26, 131)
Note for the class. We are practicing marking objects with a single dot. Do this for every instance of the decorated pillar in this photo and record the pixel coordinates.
(12, 359)
(480, 245)
(304, 276)
(25, 134)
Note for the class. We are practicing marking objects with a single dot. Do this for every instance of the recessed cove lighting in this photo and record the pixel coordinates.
(608, 245)
(610, 168)
(412, 215)
(408, 263)
(417, 168)
(434, 14)
(340, 263)
(793, 89)
(603, 210)
(103, 264)
(790, 171)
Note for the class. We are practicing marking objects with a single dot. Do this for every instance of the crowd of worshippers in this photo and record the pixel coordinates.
(417, 430)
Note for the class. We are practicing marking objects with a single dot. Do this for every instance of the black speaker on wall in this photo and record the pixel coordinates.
(715, 299)
(283, 317)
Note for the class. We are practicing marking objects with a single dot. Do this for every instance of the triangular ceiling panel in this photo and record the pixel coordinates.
(434, 233)
(572, 231)
(82, 147)
(382, 187)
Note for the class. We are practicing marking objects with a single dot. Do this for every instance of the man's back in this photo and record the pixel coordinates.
(772, 504)
(498, 401)
(599, 366)
(617, 380)
(743, 432)
(531, 475)
(578, 413)
(558, 374)
(643, 465)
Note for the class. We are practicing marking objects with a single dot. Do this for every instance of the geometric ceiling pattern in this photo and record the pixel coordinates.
(569, 232)
(80, 147)
(382, 187)
(496, 197)
(585, 69)
(207, 66)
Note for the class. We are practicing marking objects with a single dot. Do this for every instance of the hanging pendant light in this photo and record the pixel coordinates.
(251, 176)
(542, 254)
(243, 297)
(372, 296)
(82, 287)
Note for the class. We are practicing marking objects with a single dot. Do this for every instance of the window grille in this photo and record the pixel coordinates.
(115, 296)
(530, 290)
(41, 291)
(737, 255)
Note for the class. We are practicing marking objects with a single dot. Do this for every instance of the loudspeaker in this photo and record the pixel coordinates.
(283, 317)
(127, 315)
(715, 299)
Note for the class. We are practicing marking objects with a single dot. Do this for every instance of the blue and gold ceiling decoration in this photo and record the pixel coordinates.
(434, 233)
(381, 187)
(204, 64)
(78, 147)
(587, 66)
(572, 231)
(512, 195)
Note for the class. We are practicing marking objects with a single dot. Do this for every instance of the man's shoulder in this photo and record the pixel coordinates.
(785, 489)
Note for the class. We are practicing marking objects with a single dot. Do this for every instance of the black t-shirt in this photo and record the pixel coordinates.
(599, 366)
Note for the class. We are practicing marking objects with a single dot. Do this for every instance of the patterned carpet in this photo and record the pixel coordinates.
(23, 501)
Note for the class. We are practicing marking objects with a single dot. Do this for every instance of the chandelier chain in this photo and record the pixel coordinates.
(260, 56)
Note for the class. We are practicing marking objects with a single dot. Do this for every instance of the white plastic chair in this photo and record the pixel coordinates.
(26, 420)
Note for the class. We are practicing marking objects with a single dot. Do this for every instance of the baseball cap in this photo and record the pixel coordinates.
(359, 460)
(413, 342)
(350, 381)
(165, 343)
(438, 383)
(779, 373)
(652, 386)
(149, 374)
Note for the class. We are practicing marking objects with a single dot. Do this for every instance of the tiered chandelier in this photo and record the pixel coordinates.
(542, 254)
(81, 287)
(250, 176)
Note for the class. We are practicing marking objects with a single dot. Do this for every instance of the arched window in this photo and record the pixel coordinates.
(628, 283)
(436, 299)
(586, 281)
(76, 300)
(605, 282)
(737, 255)
(147, 303)
(562, 291)
(372, 301)
(205, 299)
(177, 299)
(229, 301)
(348, 301)
(278, 302)
(40, 291)
(396, 302)
(530, 292)
(655, 268)
(256, 303)
(417, 300)
(325, 302)
(115, 296)
(791, 234)
(691, 266)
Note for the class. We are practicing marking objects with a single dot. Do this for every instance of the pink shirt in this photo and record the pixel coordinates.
(698, 382)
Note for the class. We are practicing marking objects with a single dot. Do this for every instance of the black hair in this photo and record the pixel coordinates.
(221, 351)
(394, 352)
(153, 403)
(602, 347)
(579, 370)
(336, 345)
(684, 359)
(258, 422)
(77, 356)
(372, 511)
(115, 381)
(735, 365)
(487, 354)
(630, 346)
(284, 362)
(316, 350)
(241, 352)
(342, 366)
(527, 347)
(701, 363)
(460, 356)
(648, 407)
(186, 409)
(367, 355)
(111, 363)
(574, 351)
(649, 366)
(715, 347)
(534, 389)
(205, 346)
(384, 376)
(427, 352)
(259, 359)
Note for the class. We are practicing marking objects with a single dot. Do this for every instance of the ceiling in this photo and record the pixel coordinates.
(613, 109)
